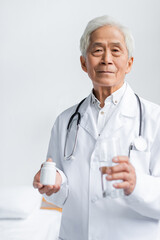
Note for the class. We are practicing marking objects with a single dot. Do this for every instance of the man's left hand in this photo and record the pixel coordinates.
(124, 171)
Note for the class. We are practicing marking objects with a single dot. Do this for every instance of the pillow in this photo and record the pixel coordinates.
(18, 201)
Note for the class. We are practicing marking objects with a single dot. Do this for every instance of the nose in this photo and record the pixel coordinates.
(107, 58)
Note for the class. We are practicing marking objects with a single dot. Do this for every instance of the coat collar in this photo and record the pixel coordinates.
(129, 103)
(126, 109)
(87, 121)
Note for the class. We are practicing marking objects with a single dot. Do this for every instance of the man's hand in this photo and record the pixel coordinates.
(47, 189)
(124, 171)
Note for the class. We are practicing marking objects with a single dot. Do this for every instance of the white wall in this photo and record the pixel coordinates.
(40, 74)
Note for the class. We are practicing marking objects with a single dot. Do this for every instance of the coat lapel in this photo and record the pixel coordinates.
(88, 122)
(126, 111)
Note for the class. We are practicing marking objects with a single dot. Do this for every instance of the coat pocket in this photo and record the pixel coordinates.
(141, 161)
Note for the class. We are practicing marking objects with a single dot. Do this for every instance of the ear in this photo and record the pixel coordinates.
(129, 64)
(83, 63)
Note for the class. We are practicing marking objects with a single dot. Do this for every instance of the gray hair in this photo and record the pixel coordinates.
(100, 22)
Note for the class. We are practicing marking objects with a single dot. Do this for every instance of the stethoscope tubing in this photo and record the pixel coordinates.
(74, 114)
(78, 122)
(140, 115)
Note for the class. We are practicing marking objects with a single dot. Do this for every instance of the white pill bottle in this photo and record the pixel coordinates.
(48, 173)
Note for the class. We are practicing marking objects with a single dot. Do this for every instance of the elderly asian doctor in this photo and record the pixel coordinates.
(111, 110)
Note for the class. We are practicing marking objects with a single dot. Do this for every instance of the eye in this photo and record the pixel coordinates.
(115, 50)
(97, 52)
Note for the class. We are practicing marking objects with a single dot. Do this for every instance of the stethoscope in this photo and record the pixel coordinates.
(139, 142)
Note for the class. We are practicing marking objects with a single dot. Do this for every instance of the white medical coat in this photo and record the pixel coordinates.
(86, 214)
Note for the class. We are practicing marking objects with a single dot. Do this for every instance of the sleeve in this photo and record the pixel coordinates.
(145, 199)
(55, 153)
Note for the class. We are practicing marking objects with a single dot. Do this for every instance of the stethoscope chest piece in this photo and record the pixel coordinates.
(140, 143)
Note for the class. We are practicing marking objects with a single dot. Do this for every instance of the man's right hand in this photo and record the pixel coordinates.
(47, 189)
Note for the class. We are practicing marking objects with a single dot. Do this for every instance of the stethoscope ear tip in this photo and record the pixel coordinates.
(140, 143)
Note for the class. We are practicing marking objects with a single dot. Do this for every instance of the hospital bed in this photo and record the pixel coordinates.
(24, 215)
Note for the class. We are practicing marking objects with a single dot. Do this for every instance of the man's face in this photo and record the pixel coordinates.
(107, 60)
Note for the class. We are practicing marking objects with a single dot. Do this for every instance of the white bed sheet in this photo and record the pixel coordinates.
(41, 225)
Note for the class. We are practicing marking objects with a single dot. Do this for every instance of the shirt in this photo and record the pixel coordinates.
(102, 115)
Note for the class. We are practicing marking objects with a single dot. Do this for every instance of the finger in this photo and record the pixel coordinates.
(37, 176)
(50, 192)
(54, 190)
(37, 185)
(46, 188)
(105, 170)
(128, 188)
(119, 176)
(122, 185)
(121, 167)
(120, 159)
(49, 160)
(58, 178)
(36, 180)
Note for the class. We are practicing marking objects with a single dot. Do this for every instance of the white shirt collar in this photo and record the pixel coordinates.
(114, 98)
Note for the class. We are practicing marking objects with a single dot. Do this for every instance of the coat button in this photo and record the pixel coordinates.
(94, 199)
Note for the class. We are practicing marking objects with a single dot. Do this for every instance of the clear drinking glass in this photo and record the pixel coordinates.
(108, 149)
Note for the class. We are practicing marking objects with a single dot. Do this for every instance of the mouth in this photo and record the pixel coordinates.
(105, 72)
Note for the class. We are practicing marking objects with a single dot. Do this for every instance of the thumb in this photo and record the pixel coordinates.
(49, 160)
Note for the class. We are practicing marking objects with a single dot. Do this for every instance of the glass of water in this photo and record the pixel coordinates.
(108, 149)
